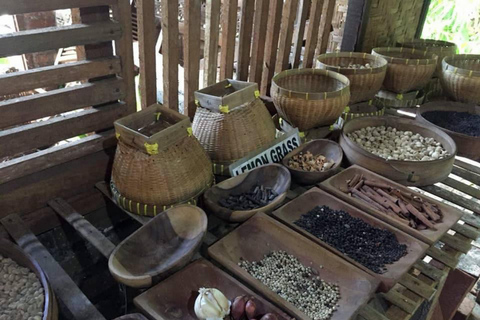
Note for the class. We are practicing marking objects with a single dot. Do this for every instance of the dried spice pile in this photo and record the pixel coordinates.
(258, 196)
(461, 122)
(405, 207)
(294, 282)
(370, 246)
(309, 162)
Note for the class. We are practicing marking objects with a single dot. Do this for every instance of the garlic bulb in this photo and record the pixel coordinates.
(211, 304)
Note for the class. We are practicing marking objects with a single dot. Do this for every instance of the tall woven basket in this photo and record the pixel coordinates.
(461, 77)
(158, 162)
(441, 48)
(366, 81)
(231, 121)
(408, 69)
(310, 98)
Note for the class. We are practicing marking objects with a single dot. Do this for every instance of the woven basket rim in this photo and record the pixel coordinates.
(431, 57)
(311, 95)
(448, 66)
(345, 70)
(426, 44)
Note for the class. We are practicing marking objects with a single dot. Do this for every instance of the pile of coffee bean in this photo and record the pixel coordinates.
(296, 283)
(461, 122)
(370, 246)
(258, 196)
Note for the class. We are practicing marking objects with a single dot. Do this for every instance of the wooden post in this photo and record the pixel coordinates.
(286, 34)
(245, 39)
(191, 54)
(300, 31)
(312, 33)
(259, 35)
(170, 53)
(229, 30)
(271, 44)
(212, 20)
(146, 44)
(325, 26)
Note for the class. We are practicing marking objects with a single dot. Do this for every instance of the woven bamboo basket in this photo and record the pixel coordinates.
(395, 100)
(229, 135)
(371, 108)
(460, 77)
(408, 69)
(441, 48)
(158, 163)
(310, 98)
(364, 83)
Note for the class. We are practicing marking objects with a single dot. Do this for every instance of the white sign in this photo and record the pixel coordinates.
(273, 154)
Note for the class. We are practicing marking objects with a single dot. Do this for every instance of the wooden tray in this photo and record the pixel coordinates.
(262, 234)
(174, 297)
(338, 181)
(293, 210)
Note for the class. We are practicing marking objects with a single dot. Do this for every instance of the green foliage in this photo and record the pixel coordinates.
(3, 60)
(457, 21)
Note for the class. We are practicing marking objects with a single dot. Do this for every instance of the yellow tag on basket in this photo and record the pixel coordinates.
(301, 134)
(151, 148)
(224, 109)
(399, 96)
(347, 109)
(117, 135)
(331, 127)
(257, 94)
(197, 103)
(190, 131)
(157, 115)
(280, 120)
(228, 85)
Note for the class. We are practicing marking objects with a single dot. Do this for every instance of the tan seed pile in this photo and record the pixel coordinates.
(309, 162)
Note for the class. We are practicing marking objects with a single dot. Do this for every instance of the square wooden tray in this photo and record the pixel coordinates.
(293, 210)
(339, 181)
(262, 234)
(174, 298)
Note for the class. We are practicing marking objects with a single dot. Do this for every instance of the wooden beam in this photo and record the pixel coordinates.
(417, 286)
(229, 31)
(65, 289)
(33, 107)
(467, 175)
(286, 34)
(423, 17)
(43, 39)
(355, 25)
(312, 33)
(86, 230)
(325, 27)
(271, 44)
(57, 75)
(245, 39)
(170, 53)
(191, 55)
(452, 197)
(41, 160)
(302, 12)
(146, 44)
(259, 37)
(12, 7)
(469, 166)
(45, 133)
(463, 187)
(212, 29)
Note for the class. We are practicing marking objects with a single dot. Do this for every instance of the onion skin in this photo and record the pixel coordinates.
(250, 309)
(238, 307)
(269, 316)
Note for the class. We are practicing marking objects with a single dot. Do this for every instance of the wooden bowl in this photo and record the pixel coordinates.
(411, 173)
(261, 234)
(460, 77)
(328, 148)
(174, 298)
(338, 182)
(467, 146)
(12, 251)
(133, 316)
(160, 247)
(273, 176)
(314, 197)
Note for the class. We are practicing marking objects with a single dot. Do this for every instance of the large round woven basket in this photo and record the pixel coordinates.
(228, 137)
(175, 174)
(441, 48)
(461, 77)
(408, 69)
(310, 98)
(364, 83)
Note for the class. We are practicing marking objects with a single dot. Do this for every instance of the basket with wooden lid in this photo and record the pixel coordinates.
(461, 77)
(231, 121)
(158, 163)
(365, 72)
(408, 68)
(310, 98)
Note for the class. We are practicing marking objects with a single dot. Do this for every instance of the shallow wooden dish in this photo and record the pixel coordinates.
(262, 234)
(133, 316)
(272, 176)
(293, 210)
(330, 149)
(174, 298)
(411, 173)
(162, 246)
(337, 183)
(12, 251)
(467, 146)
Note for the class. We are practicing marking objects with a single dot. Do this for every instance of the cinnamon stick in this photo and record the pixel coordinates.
(420, 216)
(358, 185)
(377, 184)
(431, 214)
(402, 206)
(386, 195)
(357, 194)
(354, 180)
